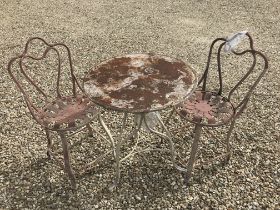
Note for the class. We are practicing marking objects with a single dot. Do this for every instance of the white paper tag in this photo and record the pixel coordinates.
(234, 40)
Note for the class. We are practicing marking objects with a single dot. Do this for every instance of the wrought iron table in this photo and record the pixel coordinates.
(140, 84)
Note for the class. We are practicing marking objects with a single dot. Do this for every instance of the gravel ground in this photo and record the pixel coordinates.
(97, 30)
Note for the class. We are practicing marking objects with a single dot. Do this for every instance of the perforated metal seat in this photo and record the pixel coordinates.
(68, 113)
(207, 109)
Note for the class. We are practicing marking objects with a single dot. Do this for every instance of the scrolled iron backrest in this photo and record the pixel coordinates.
(251, 51)
(25, 55)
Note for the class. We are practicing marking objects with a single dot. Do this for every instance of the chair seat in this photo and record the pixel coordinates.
(67, 113)
(207, 109)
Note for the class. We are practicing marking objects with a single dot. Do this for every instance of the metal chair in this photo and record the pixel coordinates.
(207, 108)
(63, 114)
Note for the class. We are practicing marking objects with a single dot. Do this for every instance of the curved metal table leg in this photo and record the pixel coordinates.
(121, 140)
(117, 155)
(119, 143)
(169, 138)
(107, 131)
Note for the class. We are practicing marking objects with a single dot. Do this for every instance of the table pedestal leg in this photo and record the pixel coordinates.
(168, 137)
(106, 129)
(119, 143)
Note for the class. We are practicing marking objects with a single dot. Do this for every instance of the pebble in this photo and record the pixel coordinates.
(138, 198)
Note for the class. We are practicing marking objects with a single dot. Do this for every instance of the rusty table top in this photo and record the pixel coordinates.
(140, 83)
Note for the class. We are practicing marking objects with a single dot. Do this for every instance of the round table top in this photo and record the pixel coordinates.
(140, 83)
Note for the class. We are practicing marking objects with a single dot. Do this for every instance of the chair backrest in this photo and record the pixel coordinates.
(25, 77)
(223, 43)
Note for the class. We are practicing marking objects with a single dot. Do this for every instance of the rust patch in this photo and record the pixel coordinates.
(67, 111)
(168, 70)
(140, 82)
(207, 109)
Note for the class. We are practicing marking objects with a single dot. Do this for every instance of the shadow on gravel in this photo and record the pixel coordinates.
(144, 181)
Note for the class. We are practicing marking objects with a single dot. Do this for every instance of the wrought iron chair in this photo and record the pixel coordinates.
(63, 114)
(207, 108)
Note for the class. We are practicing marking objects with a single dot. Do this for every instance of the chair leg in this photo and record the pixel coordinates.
(90, 130)
(197, 130)
(67, 167)
(49, 143)
(227, 140)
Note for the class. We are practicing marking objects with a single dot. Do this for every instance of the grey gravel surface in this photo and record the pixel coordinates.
(97, 30)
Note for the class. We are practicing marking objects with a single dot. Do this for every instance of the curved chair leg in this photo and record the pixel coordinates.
(90, 130)
(197, 130)
(67, 167)
(119, 143)
(227, 140)
(49, 143)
